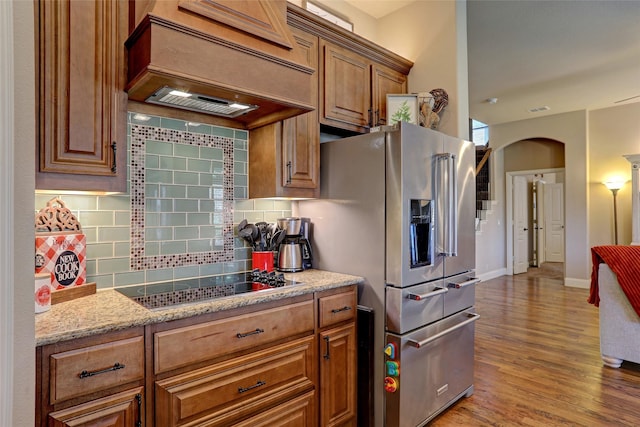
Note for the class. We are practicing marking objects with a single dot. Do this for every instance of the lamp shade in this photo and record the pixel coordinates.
(614, 185)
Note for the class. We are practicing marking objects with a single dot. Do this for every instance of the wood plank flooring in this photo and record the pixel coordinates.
(538, 361)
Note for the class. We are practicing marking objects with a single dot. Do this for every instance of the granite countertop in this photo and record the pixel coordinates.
(109, 310)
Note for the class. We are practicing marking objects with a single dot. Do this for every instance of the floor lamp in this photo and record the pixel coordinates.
(614, 186)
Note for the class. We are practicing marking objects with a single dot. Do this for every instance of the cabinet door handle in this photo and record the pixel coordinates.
(251, 387)
(139, 400)
(246, 334)
(338, 310)
(370, 118)
(377, 118)
(87, 374)
(289, 172)
(113, 150)
(326, 353)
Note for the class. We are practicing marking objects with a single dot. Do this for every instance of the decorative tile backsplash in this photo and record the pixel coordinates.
(187, 192)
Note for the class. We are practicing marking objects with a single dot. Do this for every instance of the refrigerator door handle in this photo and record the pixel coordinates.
(417, 344)
(421, 297)
(463, 284)
(447, 178)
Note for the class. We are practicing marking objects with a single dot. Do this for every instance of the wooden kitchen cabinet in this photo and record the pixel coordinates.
(94, 381)
(354, 89)
(338, 358)
(355, 75)
(81, 104)
(284, 157)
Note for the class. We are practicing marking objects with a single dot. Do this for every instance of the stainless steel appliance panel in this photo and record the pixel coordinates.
(461, 293)
(434, 368)
(411, 157)
(412, 307)
(463, 216)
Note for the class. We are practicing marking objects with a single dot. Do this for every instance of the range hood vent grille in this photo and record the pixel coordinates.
(199, 103)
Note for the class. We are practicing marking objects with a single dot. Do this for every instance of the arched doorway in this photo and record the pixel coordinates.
(534, 178)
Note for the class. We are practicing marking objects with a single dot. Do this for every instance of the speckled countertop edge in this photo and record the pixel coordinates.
(108, 310)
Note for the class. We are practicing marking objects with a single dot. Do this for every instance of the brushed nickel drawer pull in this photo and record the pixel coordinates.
(114, 169)
(326, 355)
(86, 374)
(256, 385)
(338, 310)
(246, 334)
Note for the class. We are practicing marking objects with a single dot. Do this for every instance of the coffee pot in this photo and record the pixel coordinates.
(294, 253)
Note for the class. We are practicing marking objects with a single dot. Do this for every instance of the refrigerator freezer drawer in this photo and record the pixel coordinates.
(415, 306)
(430, 369)
(461, 293)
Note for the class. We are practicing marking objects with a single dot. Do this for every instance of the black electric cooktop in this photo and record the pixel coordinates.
(176, 292)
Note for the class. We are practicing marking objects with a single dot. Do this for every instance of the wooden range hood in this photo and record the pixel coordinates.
(221, 52)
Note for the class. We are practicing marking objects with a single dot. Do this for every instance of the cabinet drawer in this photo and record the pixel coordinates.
(231, 390)
(298, 412)
(197, 343)
(336, 308)
(89, 369)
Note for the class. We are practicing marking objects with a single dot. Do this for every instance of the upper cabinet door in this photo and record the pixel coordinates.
(346, 82)
(384, 81)
(81, 102)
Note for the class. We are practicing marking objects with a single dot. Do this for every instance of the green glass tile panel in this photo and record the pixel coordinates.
(220, 131)
(158, 147)
(240, 193)
(241, 134)
(144, 119)
(159, 275)
(198, 192)
(211, 269)
(158, 233)
(173, 163)
(131, 278)
(102, 281)
(158, 205)
(100, 250)
(173, 247)
(159, 176)
(206, 179)
(199, 165)
(207, 205)
(217, 168)
(152, 190)
(190, 151)
(186, 178)
(173, 191)
(151, 248)
(202, 245)
(95, 218)
(185, 205)
(152, 161)
(240, 156)
(123, 218)
(151, 219)
(78, 203)
(113, 234)
(90, 234)
(240, 179)
(91, 266)
(198, 219)
(244, 205)
(173, 124)
(211, 153)
(114, 203)
(186, 233)
(185, 272)
(282, 205)
(172, 219)
(121, 249)
(199, 128)
(240, 168)
(113, 265)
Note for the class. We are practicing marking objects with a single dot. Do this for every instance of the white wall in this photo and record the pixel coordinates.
(571, 129)
(613, 132)
(19, 204)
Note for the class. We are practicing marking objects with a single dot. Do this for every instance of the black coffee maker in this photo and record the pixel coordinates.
(294, 253)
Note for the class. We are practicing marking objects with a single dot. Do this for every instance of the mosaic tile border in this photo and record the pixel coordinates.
(139, 136)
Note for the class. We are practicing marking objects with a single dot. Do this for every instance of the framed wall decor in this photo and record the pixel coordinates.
(402, 108)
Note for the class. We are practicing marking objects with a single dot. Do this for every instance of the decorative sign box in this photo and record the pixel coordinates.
(63, 255)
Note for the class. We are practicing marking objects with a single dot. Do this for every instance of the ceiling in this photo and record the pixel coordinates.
(533, 54)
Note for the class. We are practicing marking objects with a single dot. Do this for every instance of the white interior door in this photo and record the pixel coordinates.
(520, 225)
(554, 221)
(540, 258)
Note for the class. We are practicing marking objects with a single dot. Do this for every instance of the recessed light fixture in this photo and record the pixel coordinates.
(180, 93)
(539, 109)
(492, 100)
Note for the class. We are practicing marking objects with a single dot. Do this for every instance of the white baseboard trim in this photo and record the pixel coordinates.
(491, 274)
(577, 283)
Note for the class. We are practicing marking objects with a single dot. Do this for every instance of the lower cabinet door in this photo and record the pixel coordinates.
(118, 410)
(337, 353)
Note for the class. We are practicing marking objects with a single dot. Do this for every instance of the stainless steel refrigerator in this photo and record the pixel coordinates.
(398, 208)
